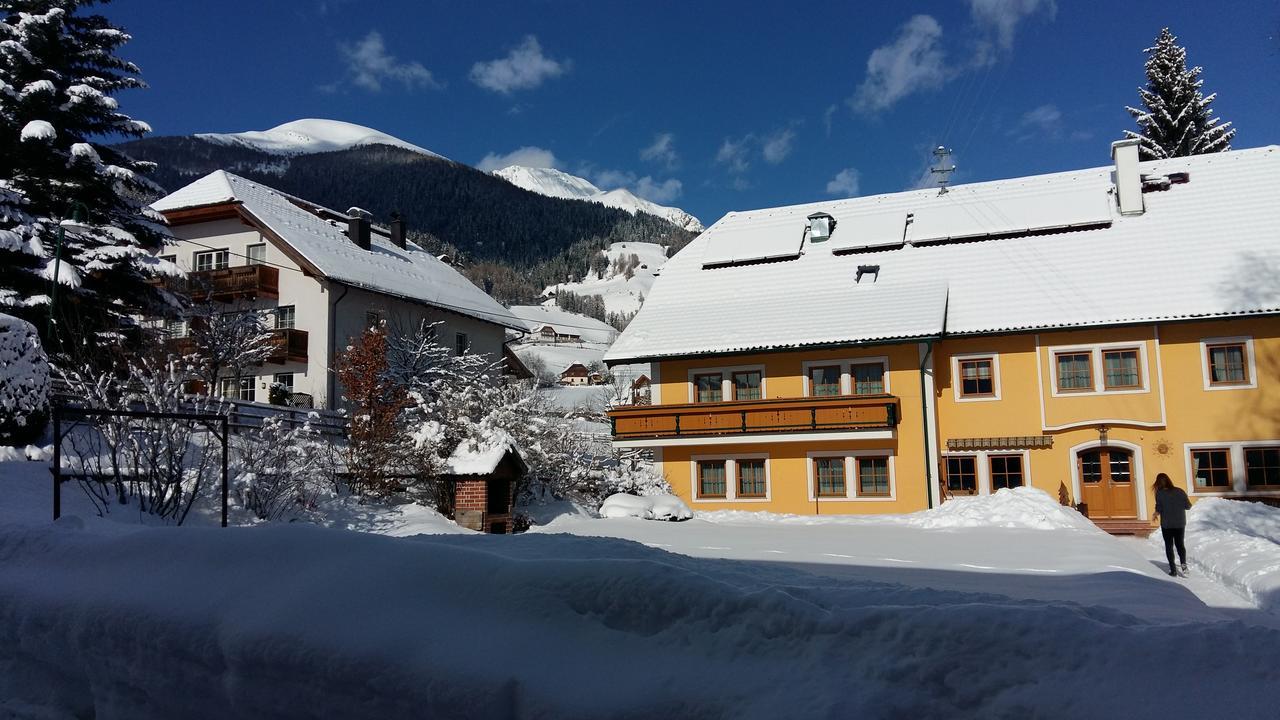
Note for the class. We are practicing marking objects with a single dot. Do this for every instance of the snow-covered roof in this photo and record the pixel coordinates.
(481, 457)
(408, 272)
(1058, 254)
(564, 322)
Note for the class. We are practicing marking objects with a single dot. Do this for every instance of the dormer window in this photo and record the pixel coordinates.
(821, 225)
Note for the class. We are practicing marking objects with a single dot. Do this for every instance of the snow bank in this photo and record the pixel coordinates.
(1237, 541)
(1024, 507)
(652, 507)
(290, 621)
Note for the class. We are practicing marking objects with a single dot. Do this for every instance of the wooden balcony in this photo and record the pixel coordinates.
(756, 417)
(245, 282)
(288, 345)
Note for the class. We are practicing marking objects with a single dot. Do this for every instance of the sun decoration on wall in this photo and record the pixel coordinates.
(1161, 446)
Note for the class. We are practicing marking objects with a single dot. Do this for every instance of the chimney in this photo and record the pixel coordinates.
(358, 231)
(1124, 153)
(397, 230)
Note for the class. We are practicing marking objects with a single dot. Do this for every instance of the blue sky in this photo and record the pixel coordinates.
(711, 106)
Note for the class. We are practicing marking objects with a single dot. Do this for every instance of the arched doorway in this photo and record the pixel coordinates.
(1106, 482)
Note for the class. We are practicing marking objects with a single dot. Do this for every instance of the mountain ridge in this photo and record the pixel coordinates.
(559, 184)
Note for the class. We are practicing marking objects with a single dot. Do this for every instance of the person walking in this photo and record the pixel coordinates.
(1171, 507)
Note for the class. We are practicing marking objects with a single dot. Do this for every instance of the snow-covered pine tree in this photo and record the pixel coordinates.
(1175, 119)
(58, 72)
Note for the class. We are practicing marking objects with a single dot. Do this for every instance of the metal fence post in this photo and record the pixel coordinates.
(57, 461)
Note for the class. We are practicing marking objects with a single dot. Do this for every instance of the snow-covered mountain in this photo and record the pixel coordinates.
(622, 291)
(311, 135)
(557, 184)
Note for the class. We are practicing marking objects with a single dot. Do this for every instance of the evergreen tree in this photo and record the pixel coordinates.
(58, 72)
(1175, 119)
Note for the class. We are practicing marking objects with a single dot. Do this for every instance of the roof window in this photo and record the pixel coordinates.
(821, 225)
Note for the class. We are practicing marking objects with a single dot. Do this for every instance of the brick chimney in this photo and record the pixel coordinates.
(397, 230)
(358, 231)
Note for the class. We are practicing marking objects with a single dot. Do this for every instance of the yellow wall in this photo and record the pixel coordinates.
(1158, 422)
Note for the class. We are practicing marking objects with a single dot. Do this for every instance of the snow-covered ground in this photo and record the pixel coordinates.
(620, 293)
(558, 184)
(1003, 607)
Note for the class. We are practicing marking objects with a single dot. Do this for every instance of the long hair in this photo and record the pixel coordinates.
(1163, 482)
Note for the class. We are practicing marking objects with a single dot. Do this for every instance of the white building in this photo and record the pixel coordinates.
(322, 277)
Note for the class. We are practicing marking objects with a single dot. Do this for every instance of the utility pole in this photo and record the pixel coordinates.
(942, 171)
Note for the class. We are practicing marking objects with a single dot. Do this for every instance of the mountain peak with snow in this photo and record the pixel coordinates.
(312, 135)
(560, 184)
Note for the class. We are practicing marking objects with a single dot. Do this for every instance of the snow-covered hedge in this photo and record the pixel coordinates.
(1237, 541)
(652, 507)
(24, 381)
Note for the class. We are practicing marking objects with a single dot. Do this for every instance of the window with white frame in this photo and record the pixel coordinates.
(850, 376)
(962, 474)
(256, 254)
(1228, 363)
(284, 380)
(1240, 467)
(211, 260)
(975, 377)
(851, 475)
(730, 478)
(1103, 368)
(1005, 471)
(285, 317)
(236, 388)
(1262, 467)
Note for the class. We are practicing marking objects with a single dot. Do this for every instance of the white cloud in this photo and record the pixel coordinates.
(844, 183)
(733, 153)
(523, 68)
(369, 65)
(777, 146)
(913, 61)
(1044, 121)
(662, 151)
(659, 192)
(528, 156)
(827, 115)
(1002, 17)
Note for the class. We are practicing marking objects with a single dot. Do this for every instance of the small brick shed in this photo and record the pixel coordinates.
(484, 484)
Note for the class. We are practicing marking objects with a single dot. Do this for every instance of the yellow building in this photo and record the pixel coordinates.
(1077, 332)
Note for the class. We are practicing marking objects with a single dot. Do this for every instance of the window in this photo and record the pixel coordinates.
(284, 317)
(746, 385)
(1262, 467)
(1006, 471)
(169, 258)
(236, 388)
(1120, 369)
(285, 380)
(1075, 372)
(711, 481)
(175, 328)
(962, 475)
(868, 378)
(830, 474)
(824, 380)
(1211, 469)
(873, 476)
(461, 343)
(211, 260)
(976, 378)
(1227, 364)
(751, 482)
(256, 254)
(708, 388)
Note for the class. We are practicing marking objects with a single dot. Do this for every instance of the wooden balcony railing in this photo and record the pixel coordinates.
(288, 345)
(748, 417)
(234, 283)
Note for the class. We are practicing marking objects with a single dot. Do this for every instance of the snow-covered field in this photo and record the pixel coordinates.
(622, 294)
(1006, 606)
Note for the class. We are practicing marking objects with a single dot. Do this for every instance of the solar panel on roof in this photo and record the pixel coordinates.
(867, 232)
(954, 216)
(756, 241)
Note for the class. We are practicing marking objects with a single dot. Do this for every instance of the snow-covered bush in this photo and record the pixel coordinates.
(281, 469)
(24, 382)
(634, 473)
(163, 463)
(653, 507)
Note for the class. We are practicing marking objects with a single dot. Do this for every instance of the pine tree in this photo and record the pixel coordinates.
(58, 72)
(1175, 119)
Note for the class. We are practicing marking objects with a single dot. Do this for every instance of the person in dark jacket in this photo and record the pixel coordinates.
(1172, 505)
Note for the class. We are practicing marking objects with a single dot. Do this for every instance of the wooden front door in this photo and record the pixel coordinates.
(1106, 483)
